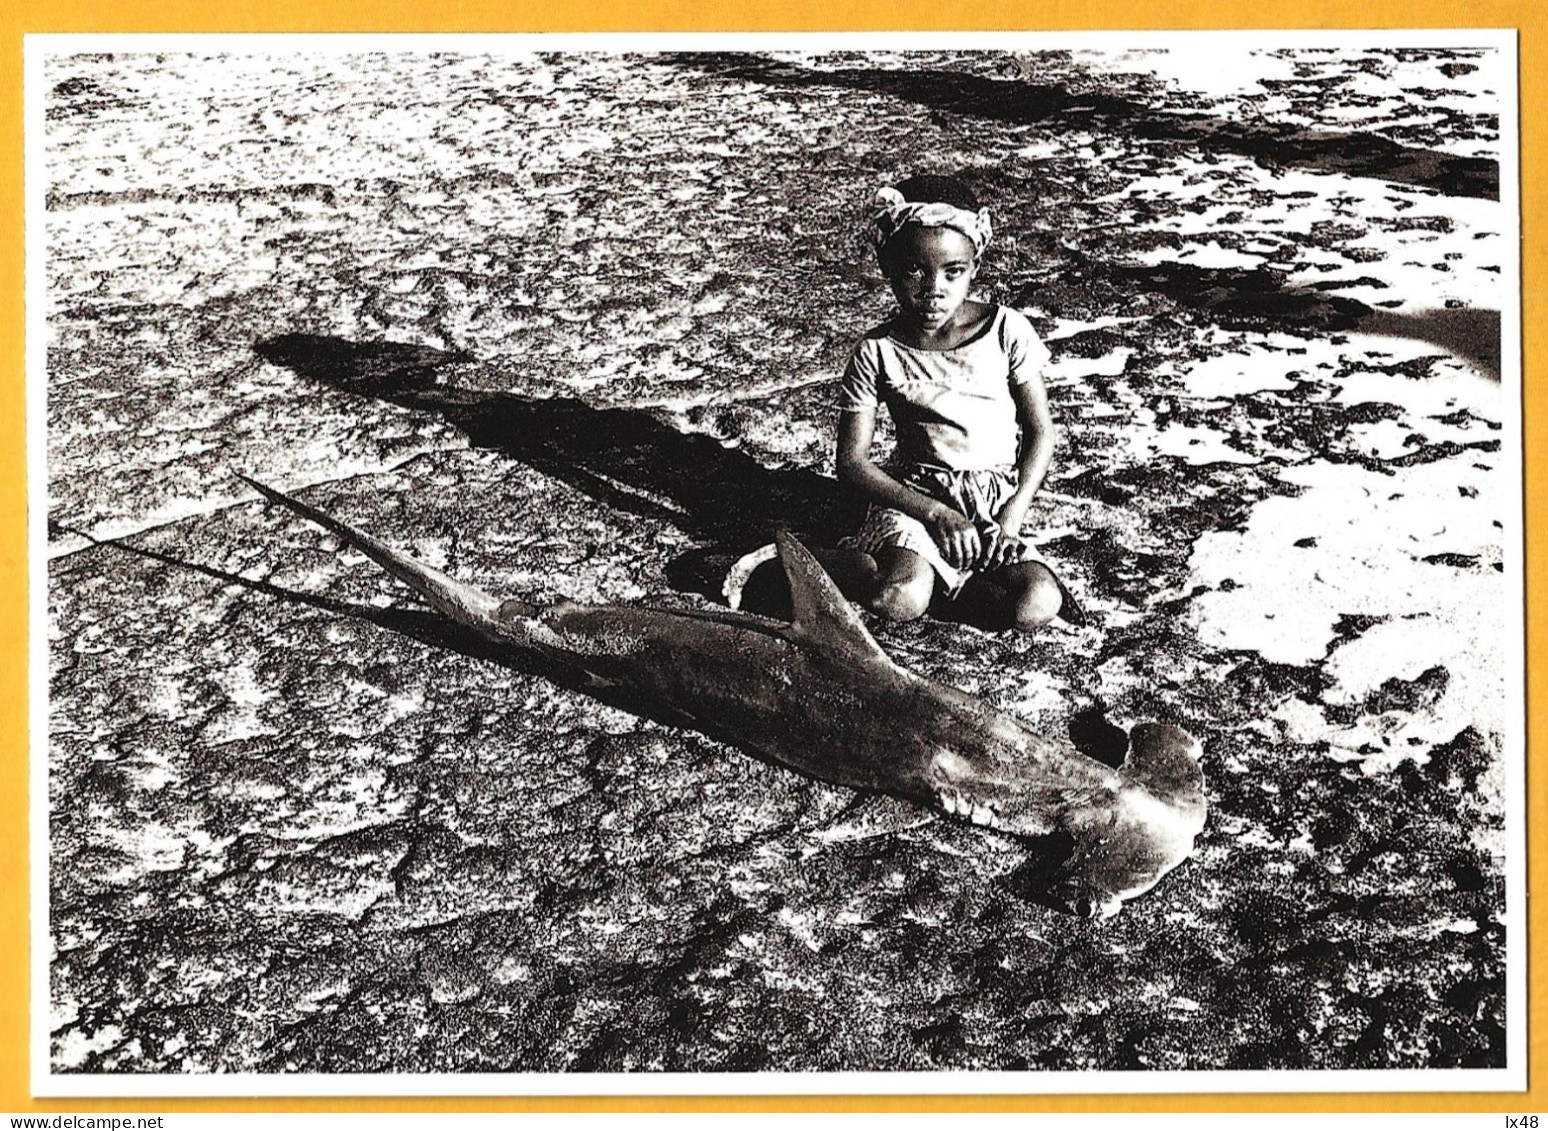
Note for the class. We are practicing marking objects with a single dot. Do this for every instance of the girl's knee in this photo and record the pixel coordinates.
(904, 585)
(901, 600)
(1037, 602)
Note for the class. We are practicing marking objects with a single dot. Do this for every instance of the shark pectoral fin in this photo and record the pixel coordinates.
(823, 615)
(872, 816)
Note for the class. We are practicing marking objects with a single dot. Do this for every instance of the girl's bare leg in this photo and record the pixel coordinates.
(855, 572)
(894, 583)
(903, 585)
(1024, 596)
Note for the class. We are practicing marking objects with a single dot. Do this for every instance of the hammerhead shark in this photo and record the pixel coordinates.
(818, 695)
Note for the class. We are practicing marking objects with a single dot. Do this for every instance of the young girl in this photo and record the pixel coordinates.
(961, 381)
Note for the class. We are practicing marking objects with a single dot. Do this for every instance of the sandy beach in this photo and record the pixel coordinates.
(569, 325)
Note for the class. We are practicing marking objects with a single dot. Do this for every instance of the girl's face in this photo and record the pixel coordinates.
(930, 270)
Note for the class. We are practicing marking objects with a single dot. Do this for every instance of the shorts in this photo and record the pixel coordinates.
(977, 494)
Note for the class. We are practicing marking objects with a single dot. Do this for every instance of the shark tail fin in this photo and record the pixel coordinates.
(823, 615)
(446, 595)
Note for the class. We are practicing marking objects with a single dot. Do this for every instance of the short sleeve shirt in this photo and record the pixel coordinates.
(951, 408)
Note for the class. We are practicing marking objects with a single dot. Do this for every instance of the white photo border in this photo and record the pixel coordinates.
(47, 1083)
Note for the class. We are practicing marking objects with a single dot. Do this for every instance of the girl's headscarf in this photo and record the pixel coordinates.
(890, 213)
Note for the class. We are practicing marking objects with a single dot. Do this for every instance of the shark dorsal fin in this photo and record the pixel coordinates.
(822, 615)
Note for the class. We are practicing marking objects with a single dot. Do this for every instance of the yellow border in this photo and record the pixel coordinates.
(746, 15)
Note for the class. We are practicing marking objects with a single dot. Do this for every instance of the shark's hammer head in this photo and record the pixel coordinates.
(1126, 842)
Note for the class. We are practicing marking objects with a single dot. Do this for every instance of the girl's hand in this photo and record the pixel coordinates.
(1004, 536)
(999, 546)
(956, 536)
(1011, 517)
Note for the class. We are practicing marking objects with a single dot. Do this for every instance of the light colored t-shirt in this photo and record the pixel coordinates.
(950, 408)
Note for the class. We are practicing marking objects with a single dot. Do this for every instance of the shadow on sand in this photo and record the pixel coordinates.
(1262, 299)
(1021, 101)
(627, 458)
(1474, 335)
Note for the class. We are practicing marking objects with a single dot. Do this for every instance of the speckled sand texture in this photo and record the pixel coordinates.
(569, 325)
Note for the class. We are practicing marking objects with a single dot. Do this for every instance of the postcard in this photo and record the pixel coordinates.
(750, 564)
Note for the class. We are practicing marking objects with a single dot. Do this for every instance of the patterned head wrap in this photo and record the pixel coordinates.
(890, 213)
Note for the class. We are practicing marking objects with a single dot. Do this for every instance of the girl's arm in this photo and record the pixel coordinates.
(1037, 445)
(953, 533)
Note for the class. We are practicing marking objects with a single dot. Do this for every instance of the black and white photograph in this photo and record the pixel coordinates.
(776, 563)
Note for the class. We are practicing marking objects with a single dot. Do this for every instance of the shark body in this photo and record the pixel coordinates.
(817, 694)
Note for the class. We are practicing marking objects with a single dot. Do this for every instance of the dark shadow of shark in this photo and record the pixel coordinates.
(627, 458)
